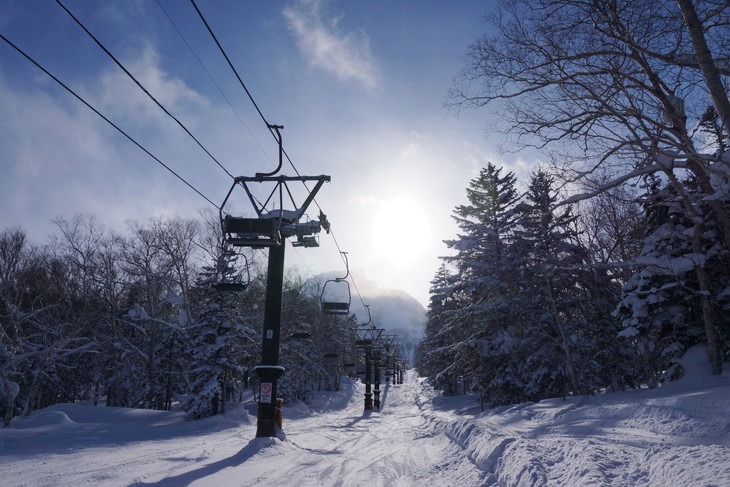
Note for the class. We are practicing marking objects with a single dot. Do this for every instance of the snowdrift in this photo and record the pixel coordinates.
(676, 435)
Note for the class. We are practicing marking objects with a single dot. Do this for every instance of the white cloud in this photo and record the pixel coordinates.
(125, 98)
(59, 158)
(346, 55)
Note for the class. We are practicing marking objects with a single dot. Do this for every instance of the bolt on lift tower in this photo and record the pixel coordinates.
(270, 229)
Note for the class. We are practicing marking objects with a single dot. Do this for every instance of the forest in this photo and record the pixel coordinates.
(612, 259)
(134, 320)
(595, 271)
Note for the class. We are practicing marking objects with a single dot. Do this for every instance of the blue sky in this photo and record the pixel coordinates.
(358, 86)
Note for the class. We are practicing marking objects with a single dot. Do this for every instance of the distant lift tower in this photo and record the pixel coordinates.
(270, 229)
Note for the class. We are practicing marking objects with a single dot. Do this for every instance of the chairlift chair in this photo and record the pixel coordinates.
(337, 307)
(257, 233)
(230, 287)
(306, 232)
(301, 335)
(239, 281)
(366, 343)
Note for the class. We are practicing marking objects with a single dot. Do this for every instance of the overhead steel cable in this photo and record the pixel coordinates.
(121, 66)
(10, 43)
(243, 85)
(271, 128)
(344, 259)
(200, 62)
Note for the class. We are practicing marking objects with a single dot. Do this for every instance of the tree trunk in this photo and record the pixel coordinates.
(32, 393)
(713, 343)
(8, 417)
(168, 385)
(224, 390)
(707, 65)
(563, 341)
(10, 390)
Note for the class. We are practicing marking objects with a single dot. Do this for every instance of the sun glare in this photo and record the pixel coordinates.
(401, 231)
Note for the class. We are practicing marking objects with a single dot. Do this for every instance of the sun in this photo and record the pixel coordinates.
(401, 230)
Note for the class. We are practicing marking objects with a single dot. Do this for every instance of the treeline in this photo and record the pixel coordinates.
(546, 300)
(627, 102)
(133, 320)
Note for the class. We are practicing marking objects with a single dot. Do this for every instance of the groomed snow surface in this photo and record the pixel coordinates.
(677, 435)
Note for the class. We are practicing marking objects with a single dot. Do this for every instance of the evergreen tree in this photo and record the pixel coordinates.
(549, 289)
(221, 343)
(436, 354)
(677, 287)
(483, 278)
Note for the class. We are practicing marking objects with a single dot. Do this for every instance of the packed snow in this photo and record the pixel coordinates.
(675, 435)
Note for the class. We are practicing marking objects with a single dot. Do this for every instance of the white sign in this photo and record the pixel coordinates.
(265, 392)
(269, 334)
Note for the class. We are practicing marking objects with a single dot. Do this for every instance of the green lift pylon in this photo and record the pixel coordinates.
(270, 229)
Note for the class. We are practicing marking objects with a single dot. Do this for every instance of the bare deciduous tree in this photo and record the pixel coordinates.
(615, 85)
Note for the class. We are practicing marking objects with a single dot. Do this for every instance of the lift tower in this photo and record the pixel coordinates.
(270, 229)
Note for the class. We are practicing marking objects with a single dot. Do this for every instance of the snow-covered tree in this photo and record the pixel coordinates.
(618, 88)
(668, 303)
(221, 342)
(480, 282)
(435, 355)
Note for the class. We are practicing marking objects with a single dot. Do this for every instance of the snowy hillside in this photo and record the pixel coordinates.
(678, 435)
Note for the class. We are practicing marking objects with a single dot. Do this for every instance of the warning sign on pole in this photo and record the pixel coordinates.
(265, 392)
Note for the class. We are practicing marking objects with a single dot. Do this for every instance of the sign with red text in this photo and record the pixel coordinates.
(265, 392)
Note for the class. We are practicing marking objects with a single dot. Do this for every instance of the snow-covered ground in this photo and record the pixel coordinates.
(678, 435)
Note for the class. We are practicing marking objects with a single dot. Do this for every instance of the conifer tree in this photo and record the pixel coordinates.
(676, 292)
(484, 273)
(221, 343)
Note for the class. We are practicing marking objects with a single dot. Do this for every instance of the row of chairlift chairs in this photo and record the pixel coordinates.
(271, 229)
(236, 278)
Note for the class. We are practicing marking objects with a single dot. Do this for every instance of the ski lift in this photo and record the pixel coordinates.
(236, 281)
(337, 307)
(365, 333)
(300, 331)
(256, 233)
(365, 343)
(306, 242)
(271, 227)
(370, 317)
(368, 337)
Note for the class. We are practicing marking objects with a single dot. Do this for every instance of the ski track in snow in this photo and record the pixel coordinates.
(673, 436)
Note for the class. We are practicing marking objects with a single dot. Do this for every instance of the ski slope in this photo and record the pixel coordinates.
(678, 435)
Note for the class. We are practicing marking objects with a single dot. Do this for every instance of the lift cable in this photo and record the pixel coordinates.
(121, 66)
(344, 259)
(106, 119)
(220, 90)
(263, 118)
(271, 127)
(250, 97)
